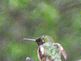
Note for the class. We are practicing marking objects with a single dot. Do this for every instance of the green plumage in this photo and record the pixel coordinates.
(52, 51)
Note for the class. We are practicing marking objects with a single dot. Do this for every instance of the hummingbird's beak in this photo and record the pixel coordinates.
(29, 39)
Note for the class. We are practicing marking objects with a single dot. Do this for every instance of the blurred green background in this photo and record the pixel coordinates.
(60, 19)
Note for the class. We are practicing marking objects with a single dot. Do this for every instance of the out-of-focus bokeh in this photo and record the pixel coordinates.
(60, 19)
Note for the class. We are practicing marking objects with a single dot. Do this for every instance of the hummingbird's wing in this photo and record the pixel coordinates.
(62, 51)
(40, 53)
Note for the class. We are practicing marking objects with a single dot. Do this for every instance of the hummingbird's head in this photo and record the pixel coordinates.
(41, 40)
(44, 39)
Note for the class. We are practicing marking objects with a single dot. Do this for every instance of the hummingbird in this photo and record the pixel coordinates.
(48, 50)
